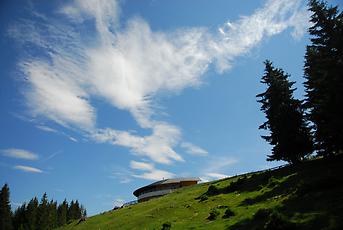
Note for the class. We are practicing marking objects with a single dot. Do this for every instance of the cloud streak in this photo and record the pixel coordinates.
(129, 66)
(193, 149)
(27, 169)
(149, 171)
(19, 154)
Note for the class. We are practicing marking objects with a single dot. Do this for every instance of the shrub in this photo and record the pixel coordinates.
(235, 185)
(272, 182)
(212, 190)
(203, 197)
(277, 221)
(166, 226)
(213, 214)
(228, 213)
(262, 213)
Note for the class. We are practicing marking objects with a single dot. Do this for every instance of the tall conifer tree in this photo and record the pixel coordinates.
(62, 213)
(289, 134)
(43, 214)
(31, 214)
(324, 77)
(5, 209)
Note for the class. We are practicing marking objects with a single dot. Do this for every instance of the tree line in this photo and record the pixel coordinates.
(300, 127)
(37, 215)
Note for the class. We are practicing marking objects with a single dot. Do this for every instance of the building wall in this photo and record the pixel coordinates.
(187, 183)
(162, 189)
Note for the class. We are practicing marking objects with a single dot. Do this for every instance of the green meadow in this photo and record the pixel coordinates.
(307, 196)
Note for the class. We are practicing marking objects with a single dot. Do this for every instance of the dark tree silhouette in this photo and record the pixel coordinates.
(34, 216)
(62, 213)
(5, 209)
(289, 134)
(324, 77)
(43, 213)
(31, 214)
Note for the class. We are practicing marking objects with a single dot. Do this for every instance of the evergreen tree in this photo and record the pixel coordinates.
(19, 217)
(289, 134)
(83, 212)
(43, 214)
(74, 211)
(62, 213)
(78, 210)
(5, 209)
(324, 79)
(31, 214)
(52, 214)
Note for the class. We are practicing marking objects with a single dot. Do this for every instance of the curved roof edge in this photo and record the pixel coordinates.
(165, 181)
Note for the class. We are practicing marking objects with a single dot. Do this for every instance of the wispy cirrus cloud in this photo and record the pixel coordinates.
(156, 146)
(28, 169)
(216, 167)
(213, 176)
(193, 149)
(129, 66)
(149, 171)
(19, 154)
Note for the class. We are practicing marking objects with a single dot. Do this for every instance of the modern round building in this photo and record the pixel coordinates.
(163, 187)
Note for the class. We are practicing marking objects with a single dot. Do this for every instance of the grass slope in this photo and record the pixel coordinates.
(309, 196)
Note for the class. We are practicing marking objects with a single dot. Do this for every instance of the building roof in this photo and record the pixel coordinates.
(166, 181)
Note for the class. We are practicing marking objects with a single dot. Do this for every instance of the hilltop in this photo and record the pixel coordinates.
(307, 196)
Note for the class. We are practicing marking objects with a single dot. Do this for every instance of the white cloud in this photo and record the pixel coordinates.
(220, 163)
(20, 154)
(213, 176)
(193, 149)
(151, 173)
(129, 66)
(157, 146)
(46, 129)
(27, 169)
(216, 168)
(141, 165)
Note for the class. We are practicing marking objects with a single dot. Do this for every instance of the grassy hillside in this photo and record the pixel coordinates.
(306, 197)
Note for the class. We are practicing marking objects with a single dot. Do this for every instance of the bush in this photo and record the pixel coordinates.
(228, 213)
(272, 182)
(277, 221)
(212, 190)
(203, 197)
(166, 226)
(213, 214)
(262, 214)
(235, 185)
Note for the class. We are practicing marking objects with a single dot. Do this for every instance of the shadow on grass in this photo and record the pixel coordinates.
(312, 198)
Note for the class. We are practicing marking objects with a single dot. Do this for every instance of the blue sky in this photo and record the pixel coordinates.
(98, 98)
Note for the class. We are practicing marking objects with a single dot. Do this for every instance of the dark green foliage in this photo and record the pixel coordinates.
(34, 216)
(62, 213)
(277, 221)
(235, 185)
(289, 134)
(166, 226)
(19, 217)
(74, 211)
(262, 214)
(212, 190)
(5, 209)
(213, 214)
(52, 214)
(324, 79)
(228, 213)
(203, 197)
(43, 213)
(31, 214)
